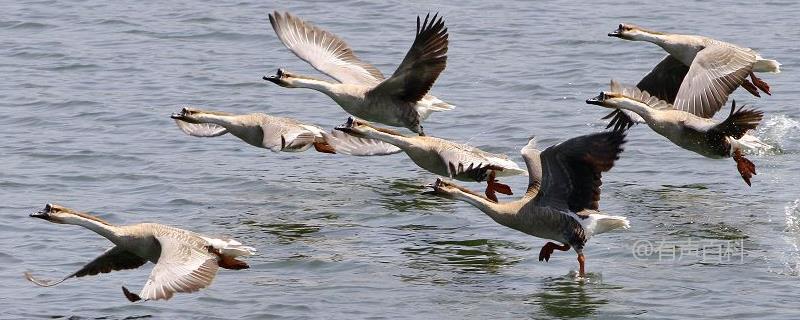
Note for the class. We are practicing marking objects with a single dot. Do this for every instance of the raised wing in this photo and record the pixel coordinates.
(201, 129)
(465, 161)
(112, 259)
(323, 50)
(181, 267)
(714, 74)
(662, 82)
(533, 162)
(423, 63)
(344, 143)
(571, 171)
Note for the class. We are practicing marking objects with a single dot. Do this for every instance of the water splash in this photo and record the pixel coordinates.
(779, 130)
(791, 260)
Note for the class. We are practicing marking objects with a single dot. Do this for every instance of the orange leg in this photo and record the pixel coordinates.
(324, 147)
(750, 87)
(760, 83)
(547, 250)
(492, 186)
(581, 265)
(746, 168)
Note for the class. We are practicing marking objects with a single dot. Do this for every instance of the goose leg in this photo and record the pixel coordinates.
(231, 263)
(324, 147)
(746, 167)
(492, 186)
(548, 248)
(760, 83)
(581, 265)
(750, 87)
(132, 297)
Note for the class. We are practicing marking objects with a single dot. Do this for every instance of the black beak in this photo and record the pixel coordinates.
(176, 116)
(347, 126)
(431, 192)
(41, 214)
(615, 34)
(276, 78)
(598, 100)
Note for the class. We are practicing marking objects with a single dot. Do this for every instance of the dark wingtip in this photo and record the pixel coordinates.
(132, 297)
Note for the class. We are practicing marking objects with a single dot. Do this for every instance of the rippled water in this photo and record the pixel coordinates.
(88, 87)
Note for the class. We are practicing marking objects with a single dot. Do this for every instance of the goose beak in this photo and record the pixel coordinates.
(347, 127)
(435, 186)
(615, 34)
(41, 214)
(598, 100)
(276, 78)
(176, 116)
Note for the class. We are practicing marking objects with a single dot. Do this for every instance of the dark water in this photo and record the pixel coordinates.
(88, 86)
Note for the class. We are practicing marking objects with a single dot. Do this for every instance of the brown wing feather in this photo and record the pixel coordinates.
(113, 259)
(571, 170)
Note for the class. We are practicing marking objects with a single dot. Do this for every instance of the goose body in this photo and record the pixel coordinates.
(701, 135)
(699, 73)
(184, 261)
(402, 100)
(275, 133)
(443, 157)
(562, 200)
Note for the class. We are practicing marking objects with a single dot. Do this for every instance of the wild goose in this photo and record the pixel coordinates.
(402, 100)
(443, 157)
(275, 133)
(698, 74)
(704, 136)
(561, 203)
(184, 261)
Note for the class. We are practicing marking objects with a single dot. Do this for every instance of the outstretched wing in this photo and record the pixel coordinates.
(533, 162)
(714, 74)
(344, 143)
(181, 267)
(662, 82)
(323, 50)
(201, 129)
(571, 170)
(112, 259)
(423, 63)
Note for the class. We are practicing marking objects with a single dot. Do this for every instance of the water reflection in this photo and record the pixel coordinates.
(286, 232)
(568, 297)
(405, 195)
(474, 256)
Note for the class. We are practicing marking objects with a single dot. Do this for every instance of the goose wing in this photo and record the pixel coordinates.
(113, 259)
(323, 50)
(347, 144)
(278, 136)
(423, 63)
(183, 266)
(663, 82)
(201, 129)
(533, 162)
(571, 171)
(714, 74)
(461, 160)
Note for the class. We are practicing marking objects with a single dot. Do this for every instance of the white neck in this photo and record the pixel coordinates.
(323, 86)
(643, 110)
(659, 39)
(223, 120)
(105, 230)
(504, 214)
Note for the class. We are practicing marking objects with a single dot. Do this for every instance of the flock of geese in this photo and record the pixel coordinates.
(677, 100)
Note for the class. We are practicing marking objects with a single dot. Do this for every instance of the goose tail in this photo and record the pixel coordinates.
(766, 65)
(600, 223)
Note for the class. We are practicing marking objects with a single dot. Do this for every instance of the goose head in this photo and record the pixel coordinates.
(54, 213)
(286, 79)
(631, 32)
(609, 99)
(188, 114)
(448, 190)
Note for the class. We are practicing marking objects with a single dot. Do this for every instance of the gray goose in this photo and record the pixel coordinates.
(562, 200)
(184, 261)
(402, 100)
(443, 157)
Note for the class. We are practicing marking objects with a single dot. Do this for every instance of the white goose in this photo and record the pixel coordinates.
(563, 195)
(698, 74)
(402, 100)
(443, 157)
(704, 136)
(276, 133)
(184, 261)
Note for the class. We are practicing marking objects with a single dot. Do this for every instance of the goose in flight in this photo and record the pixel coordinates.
(443, 157)
(402, 100)
(276, 133)
(184, 261)
(562, 200)
(698, 73)
(690, 131)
